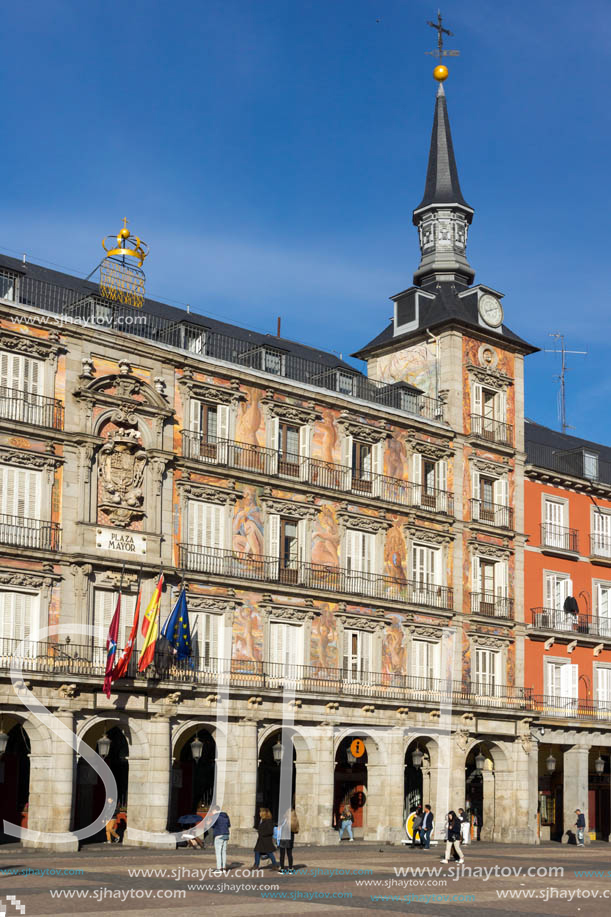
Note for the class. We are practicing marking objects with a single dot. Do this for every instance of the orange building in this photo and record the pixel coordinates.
(567, 512)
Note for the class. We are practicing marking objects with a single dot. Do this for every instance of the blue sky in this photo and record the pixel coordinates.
(271, 153)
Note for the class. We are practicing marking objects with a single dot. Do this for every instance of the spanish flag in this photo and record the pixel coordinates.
(150, 627)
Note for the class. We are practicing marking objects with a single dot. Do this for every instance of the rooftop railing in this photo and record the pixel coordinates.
(211, 450)
(24, 407)
(219, 562)
(29, 533)
(254, 351)
(559, 537)
(576, 462)
(493, 431)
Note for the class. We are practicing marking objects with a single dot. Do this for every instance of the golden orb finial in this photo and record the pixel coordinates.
(135, 249)
(440, 73)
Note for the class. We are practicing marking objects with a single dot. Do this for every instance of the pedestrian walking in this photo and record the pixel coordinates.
(346, 822)
(265, 838)
(580, 824)
(417, 827)
(111, 824)
(465, 826)
(453, 837)
(220, 832)
(426, 827)
(288, 827)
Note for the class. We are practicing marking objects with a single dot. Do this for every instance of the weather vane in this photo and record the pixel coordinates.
(119, 279)
(441, 71)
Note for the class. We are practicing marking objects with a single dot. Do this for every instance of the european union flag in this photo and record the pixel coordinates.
(176, 629)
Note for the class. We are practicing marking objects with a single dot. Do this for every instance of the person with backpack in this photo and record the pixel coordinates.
(346, 822)
(453, 838)
(288, 827)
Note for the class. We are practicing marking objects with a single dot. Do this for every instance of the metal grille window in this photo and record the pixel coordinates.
(8, 283)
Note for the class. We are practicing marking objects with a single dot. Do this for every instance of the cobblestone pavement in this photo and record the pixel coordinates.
(364, 879)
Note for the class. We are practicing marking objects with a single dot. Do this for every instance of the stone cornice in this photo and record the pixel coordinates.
(279, 612)
(207, 492)
(434, 451)
(486, 549)
(290, 413)
(43, 348)
(547, 476)
(38, 460)
(291, 508)
(361, 431)
(432, 536)
(212, 603)
(123, 399)
(211, 393)
(488, 640)
(362, 522)
(421, 630)
(29, 580)
(489, 466)
(488, 376)
(361, 622)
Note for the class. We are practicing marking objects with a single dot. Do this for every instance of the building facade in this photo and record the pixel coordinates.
(568, 650)
(352, 545)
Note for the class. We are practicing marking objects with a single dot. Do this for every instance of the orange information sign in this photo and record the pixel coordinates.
(357, 748)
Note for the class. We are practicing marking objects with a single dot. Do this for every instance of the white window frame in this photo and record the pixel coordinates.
(602, 686)
(555, 531)
(10, 600)
(561, 686)
(602, 606)
(600, 530)
(208, 627)
(357, 667)
(425, 661)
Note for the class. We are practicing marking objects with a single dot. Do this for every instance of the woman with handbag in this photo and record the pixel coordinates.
(265, 838)
(453, 838)
(288, 827)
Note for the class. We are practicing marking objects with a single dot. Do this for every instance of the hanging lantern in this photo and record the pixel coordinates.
(104, 746)
(417, 758)
(197, 748)
(479, 761)
(550, 763)
(599, 765)
(350, 757)
(278, 752)
(3, 742)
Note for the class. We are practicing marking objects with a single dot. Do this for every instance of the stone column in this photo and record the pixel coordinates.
(321, 830)
(51, 792)
(575, 788)
(395, 786)
(489, 807)
(243, 807)
(148, 793)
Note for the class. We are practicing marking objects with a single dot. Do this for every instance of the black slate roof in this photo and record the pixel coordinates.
(172, 314)
(547, 448)
(448, 307)
(442, 185)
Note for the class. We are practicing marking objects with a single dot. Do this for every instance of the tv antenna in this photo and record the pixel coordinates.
(561, 377)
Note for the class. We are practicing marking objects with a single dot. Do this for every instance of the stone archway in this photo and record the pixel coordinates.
(364, 783)
(15, 779)
(487, 791)
(272, 750)
(112, 742)
(193, 783)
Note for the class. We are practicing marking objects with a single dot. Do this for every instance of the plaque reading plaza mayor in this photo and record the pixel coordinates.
(122, 541)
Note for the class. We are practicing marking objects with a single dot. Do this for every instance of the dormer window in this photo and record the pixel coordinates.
(8, 285)
(336, 380)
(267, 359)
(590, 465)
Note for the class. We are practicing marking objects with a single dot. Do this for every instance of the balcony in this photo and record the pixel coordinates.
(29, 533)
(491, 605)
(491, 430)
(492, 514)
(90, 661)
(571, 708)
(563, 622)
(23, 407)
(259, 352)
(600, 546)
(329, 475)
(201, 559)
(559, 538)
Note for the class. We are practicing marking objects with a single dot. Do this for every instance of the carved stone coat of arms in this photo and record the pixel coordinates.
(121, 468)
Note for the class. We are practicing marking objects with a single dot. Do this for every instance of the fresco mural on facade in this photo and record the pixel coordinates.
(325, 438)
(247, 525)
(416, 365)
(326, 537)
(323, 648)
(395, 551)
(250, 426)
(248, 630)
(394, 651)
(396, 452)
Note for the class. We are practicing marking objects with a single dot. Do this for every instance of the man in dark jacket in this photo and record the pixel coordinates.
(220, 830)
(426, 827)
(580, 824)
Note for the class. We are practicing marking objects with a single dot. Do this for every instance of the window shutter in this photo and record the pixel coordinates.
(368, 543)
(351, 551)
(565, 589)
(603, 601)
(573, 681)
(550, 590)
(477, 399)
(417, 477)
(273, 431)
(419, 660)
(603, 685)
(442, 484)
(476, 574)
(501, 406)
(222, 418)
(209, 642)
(346, 662)
(501, 492)
(501, 579)
(195, 420)
(273, 542)
(347, 447)
(196, 522)
(305, 432)
(365, 653)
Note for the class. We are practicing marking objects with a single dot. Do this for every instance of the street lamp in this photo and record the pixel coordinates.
(599, 765)
(479, 761)
(417, 758)
(278, 752)
(196, 749)
(104, 746)
(550, 763)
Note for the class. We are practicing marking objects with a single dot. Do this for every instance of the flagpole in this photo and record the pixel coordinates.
(120, 597)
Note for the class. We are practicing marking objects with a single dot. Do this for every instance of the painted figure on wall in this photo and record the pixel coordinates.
(248, 524)
(324, 640)
(395, 458)
(248, 633)
(395, 554)
(248, 427)
(394, 652)
(415, 365)
(325, 442)
(325, 538)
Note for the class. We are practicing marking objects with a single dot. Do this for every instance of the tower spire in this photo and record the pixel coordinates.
(443, 215)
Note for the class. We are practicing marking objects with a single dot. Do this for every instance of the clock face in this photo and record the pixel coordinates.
(491, 310)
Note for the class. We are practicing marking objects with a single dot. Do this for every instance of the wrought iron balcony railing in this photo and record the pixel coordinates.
(493, 431)
(29, 533)
(261, 352)
(559, 537)
(571, 708)
(329, 475)
(218, 562)
(23, 407)
(491, 605)
(51, 659)
(492, 514)
(600, 546)
(558, 620)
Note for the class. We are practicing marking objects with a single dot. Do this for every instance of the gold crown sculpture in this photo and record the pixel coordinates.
(121, 281)
(137, 249)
